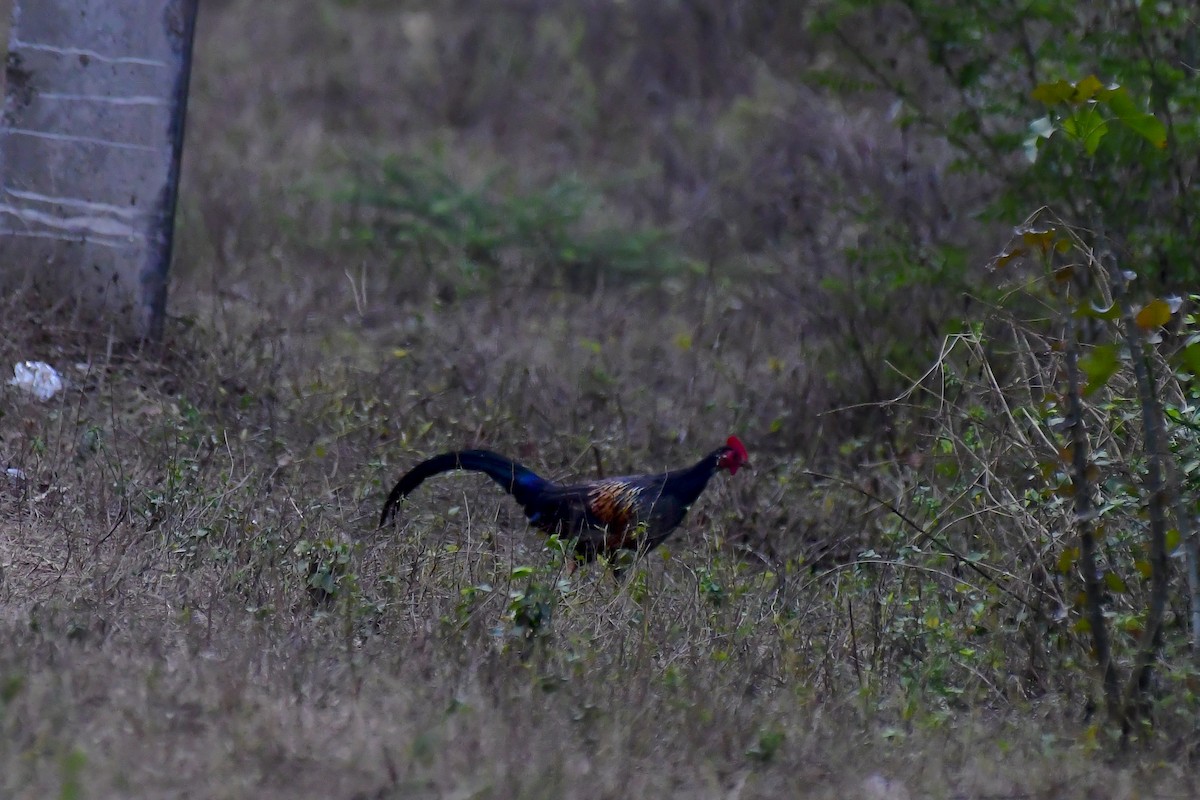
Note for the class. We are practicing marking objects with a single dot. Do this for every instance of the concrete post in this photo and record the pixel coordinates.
(90, 144)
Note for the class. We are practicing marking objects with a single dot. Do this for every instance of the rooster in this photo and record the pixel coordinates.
(600, 517)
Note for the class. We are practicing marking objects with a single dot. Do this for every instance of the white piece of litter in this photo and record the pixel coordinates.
(38, 378)
(15, 474)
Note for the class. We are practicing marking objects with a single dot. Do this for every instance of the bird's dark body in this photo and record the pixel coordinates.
(634, 512)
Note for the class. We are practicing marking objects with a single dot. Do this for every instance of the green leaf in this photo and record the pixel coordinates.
(1149, 127)
(1172, 540)
(1088, 126)
(1054, 93)
(1092, 311)
(1086, 89)
(1115, 582)
(1141, 122)
(1153, 315)
(1099, 365)
(1067, 559)
(1189, 358)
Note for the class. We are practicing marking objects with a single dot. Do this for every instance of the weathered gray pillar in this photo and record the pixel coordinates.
(90, 143)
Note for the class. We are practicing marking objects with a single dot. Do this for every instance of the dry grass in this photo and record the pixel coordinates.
(162, 635)
(163, 642)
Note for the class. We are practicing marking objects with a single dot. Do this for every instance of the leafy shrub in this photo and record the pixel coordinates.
(981, 77)
(485, 234)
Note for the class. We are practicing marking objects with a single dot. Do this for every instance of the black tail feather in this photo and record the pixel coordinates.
(519, 481)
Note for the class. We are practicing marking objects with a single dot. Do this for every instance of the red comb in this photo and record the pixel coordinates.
(735, 444)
